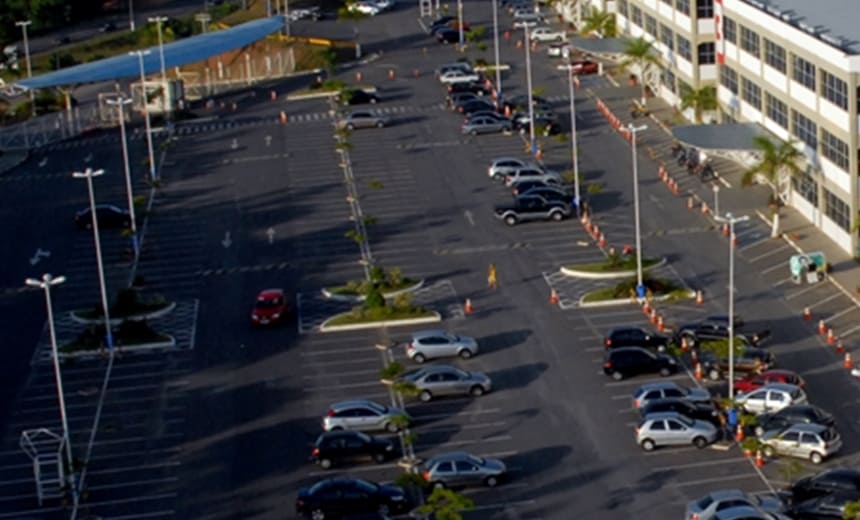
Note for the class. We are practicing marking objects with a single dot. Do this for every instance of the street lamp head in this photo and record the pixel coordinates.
(635, 129)
(140, 54)
(158, 19)
(89, 172)
(118, 101)
(23, 23)
(716, 188)
(46, 281)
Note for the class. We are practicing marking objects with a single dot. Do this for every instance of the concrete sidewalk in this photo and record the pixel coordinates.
(655, 144)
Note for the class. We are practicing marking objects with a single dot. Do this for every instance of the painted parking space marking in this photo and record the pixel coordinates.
(712, 480)
(825, 300)
(801, 292)
(700, 464)
(841, 313)
(767, 254)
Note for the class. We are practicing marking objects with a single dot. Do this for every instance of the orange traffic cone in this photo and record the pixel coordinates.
(699, 298)
(698, 371)
(704, 209)
(734, 240)
(390, 73)
(759, 460)
(739, 434)
(725, 230)
(831, 339)
(690, 203)
(553, 297)
(273, 95)
(646, 308)
(654, 316)
(840, 348)
(660, 325)
(283, 117)
(467, 307)
(807, 314)
(693, 355)
(847, 362)
(416, 73)
(684, 345)
(822, 329)
(602, 241)
(358, 76)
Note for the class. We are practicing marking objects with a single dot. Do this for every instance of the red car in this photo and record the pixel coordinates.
(584, 67)
(270, 307)
(753, 380)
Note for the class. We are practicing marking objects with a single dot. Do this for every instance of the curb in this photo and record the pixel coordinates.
(121, 349)
(502, 66)
(573, 273)
(360, 298)
(312, 95)
(627, 301)
(435, 318)
(116, 321)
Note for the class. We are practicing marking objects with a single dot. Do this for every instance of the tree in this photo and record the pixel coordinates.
(445, 504)
(852, 511)
(349, 13)
(776, 160)
(700, 100)
(640, 52)
(599, 22)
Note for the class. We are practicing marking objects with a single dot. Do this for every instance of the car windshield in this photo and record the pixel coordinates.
(686, 420)
(705, 502)
(476, 460)
(828, 435)
(268, 303)
(796, 393)
(366, 486)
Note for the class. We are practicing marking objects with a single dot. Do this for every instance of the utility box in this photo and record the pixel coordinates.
(159, 97)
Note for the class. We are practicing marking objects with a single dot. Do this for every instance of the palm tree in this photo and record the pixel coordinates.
(852, 511)
(776, 160)
(349, 13)
(641, 52)
(700, 100)
(599, 22)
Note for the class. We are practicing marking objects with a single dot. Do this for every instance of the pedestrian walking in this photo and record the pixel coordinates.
(492, 282)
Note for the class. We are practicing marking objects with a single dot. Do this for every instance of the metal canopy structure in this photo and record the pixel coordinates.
(599, 45)
(182, 52)
(737, 137)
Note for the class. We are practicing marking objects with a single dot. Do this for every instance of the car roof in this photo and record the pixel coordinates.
(270, 293)
(664, 415)
(497, 160)
(342, 405)
(451, 455)
(629, 327)
(427, 333)
(429, 369)
(725, 494)
(783, 387)
(624, 350)
(670, 400)
(660, 385)
(807, 427)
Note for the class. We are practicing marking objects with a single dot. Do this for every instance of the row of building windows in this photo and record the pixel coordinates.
(706, 51)
(704, 8)
(803, 71)
(835, 208)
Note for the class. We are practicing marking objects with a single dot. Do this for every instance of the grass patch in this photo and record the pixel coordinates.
(356, 288)
(129, 302)
(627, 288)
(362, 314)
(127, 334)
(625, 263)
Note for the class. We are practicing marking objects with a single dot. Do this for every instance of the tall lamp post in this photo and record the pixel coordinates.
(45, 283)
(158, 20)
(120, 103)
(23, 25)
(640, 286)
(716, 200)
(731, 220)
(145, 101)
(88, 174)
(529, 87)
(131, 14)
(574, 156)
(460, 22)
(496, 51)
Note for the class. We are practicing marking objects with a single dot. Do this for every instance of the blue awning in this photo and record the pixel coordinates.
(726, 136)
(181, 52)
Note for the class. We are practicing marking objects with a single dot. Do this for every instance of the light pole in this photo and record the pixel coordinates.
(88, 174)
(143, 96)
(460, 22)
(529, 87)
(120, 103)
(131, 14)
(496, 50)
(716, 200)
(45, 284)
(640, 287)
(731, 220)
(574, 157)
(158, 20)
(23, 25)
(287, 17)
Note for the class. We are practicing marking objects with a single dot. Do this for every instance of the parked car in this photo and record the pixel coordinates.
(472, 106)
(455, 99)
(554, 193)
(756, 380)
(714, 502)
(357, 96)
(445, 380)
(673, 429)
(626, 362)
(531, 173)
(362, 415)
(362, 120)
(814, 442)
(442, 21)
(461, 469)
(795, 414)
(486, 124)
(431, 344)
(521, 103)
(698, 411)
(475, 87)
(524, 186)
(108, 216)
(335, 447)
(547, 34)
(748, 513)
(270, 307)
(635, 337)
(502, 166)
(526, 208)
(545, 124)
(771, 398)
(585, 67)
(717, 327)
(664, 389)
(459, 76)
(825, 506)
(308, 13)
(827, 482)
(108, 27)
(747, 360)
(447, 35)
(365, 7)
(558, 50)
(460, 65)
(337, 497)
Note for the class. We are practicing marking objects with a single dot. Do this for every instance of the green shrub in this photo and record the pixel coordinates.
(375, 299)
(391, 370)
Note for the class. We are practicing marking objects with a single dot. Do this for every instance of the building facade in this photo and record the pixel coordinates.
(791, 66)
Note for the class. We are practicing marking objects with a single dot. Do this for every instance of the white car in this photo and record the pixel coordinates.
(530, 20)
(461, 65)
(558, 50)
(458, 76)
(385, 5)
(772, 397)
(368, 8)
(547, 34)
(502, 166)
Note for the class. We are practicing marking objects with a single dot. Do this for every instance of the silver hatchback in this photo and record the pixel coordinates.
(364, 119)
(430, 344)
(363, 415)
(460, 469)
(673, 429)
(441, 380)
(813, 442)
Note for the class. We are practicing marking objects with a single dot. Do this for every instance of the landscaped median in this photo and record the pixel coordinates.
(613, 267)
(363, 318)
(356, 291)
(623, 293)
(129, 336)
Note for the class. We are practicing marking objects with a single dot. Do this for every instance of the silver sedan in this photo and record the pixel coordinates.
(362, 120)
(445, 380)
(486, 124)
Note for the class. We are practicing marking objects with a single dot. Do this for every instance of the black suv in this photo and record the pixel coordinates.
(716, 328)
(746, 360)
(631, 361)
(702, 412)
(528, 207)
(357, 96)
(468, 86)
(795, 414)
(339, 446)
(338, 497)
(635, 337)
(837, 480)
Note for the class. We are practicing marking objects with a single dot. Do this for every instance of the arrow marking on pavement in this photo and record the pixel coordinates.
(227, 242)
(88, 158)
(268, 140)
(43, 162)
(469, 217)
(271, 234)
(38, 255)
(234, 144)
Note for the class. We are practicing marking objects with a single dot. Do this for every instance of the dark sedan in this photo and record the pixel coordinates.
(635, 337)
(447, 36)
(108, 216)
(337, 497)
(795, 414)
(474, 105)
(357, 97)
(340, 446)
(702, 412)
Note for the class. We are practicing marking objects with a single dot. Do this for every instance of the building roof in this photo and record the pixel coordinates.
(177, 53)
(831, 21)
(732, 136)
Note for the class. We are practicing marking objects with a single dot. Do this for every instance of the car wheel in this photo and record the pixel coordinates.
(473, 132)
(425, 396)
(511, 220)
(380, 124)
(759, 431)
(815, 457)
(372, 101)
(317, 514)
(350, 127)
(665, 372)
(648, 445)
(391, 427)
(477, 391)
(491, 481)
(714, 374)
(419, 358)
(556, 216)
(465, 354)
(379, 458)
(384, 509)
(700, 442)
(325, 463)
(618, 376)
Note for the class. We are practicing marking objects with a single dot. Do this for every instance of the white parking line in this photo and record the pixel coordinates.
(312, 353)
(451, 444)
(434, 416)
(343, 374)
(773, 268)
(137, 483)
(852, 330)
(841, 313)
(764, 255)
(800, 292)
(825, 300)
(459, 427)
(29, 512)
(753, 244)
(701, 464)
(725, 478)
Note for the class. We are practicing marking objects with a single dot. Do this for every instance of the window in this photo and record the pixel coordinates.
(837, 210)
(749, 41)
(667, 37)
(774, 55)
(834, 90)
(683, 6)
(804, 129)
(658, 425)
(806, 186)
(776, 110)
(751, 93)
(622, 8)
(730, 30)
(705, 8)
(651, 25)
(729, 78)
(803, 72)
(668, 79)
(834, 149)
(683, 47)
(707, 53)
(637, 16)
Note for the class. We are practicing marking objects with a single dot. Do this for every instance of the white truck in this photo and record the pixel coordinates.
(547, 34)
